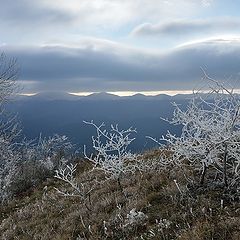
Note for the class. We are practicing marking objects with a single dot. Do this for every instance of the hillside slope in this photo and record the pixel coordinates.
(153, 205)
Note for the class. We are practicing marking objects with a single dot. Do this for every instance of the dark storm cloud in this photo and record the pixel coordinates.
(183, 27)
(117, 68)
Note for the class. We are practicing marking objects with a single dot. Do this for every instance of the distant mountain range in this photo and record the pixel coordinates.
(63, 113)
(51, 96)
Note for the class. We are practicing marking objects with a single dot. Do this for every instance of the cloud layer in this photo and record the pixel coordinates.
(47, 19)
(80, 59)
(188, 27)
(105, 66)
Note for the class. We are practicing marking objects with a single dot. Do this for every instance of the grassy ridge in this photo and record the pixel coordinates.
(163, 206)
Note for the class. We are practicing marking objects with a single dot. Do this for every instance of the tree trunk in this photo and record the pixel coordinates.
(120, 186)
(203, 174)
(225, 156)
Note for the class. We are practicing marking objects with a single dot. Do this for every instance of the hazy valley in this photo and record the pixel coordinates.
(62, 113)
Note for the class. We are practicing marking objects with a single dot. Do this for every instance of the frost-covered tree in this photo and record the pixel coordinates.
(8, 76)
(210, 137)
(8, 126)
(23, 162)
(8, 88)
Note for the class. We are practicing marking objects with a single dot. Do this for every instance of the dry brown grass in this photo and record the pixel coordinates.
(41, 213)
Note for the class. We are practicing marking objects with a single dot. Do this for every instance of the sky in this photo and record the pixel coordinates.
(83, 46)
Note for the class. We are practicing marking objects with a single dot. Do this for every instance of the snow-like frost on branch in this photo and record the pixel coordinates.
(8, 167)
(15, 156)
(47, 151)
(50, 151)
(210, 136)
(67, 175)
(8, 75)
(112, 154)
(8, 126)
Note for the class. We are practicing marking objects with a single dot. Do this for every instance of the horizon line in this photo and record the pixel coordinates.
(117, 93)
(122, 93)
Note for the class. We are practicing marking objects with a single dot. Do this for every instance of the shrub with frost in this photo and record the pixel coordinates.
(210, 137)
(67, 174)
(51, 151)
(8, 168)
(111, 156)
(111, 151)
(39, 159)
(135, 218)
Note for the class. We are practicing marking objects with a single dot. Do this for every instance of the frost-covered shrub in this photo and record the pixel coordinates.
(39, 160)
(112, 155)
(9, 161)
(67, 175)
(122, 225)
(51, 151)
(210, 137)
(135, 218)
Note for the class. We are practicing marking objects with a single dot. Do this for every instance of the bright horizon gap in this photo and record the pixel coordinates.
(146, 93)
(126, 93)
